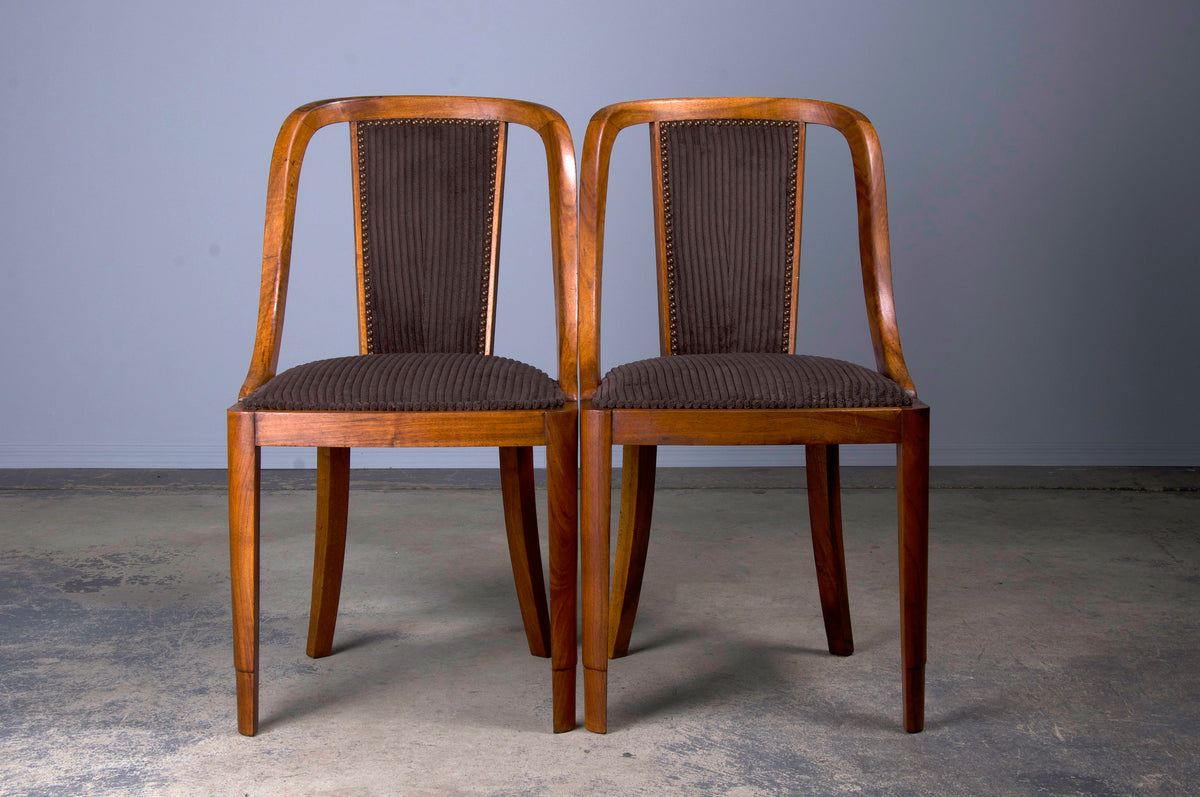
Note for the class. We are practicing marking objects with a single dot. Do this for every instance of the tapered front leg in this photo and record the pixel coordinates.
(520, 521)
(243, 563)
(329, 555)
(597, 495)
(825, 517)
(633, 540)
(562, 482)
(913, 496)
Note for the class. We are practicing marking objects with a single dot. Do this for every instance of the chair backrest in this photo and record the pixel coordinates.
(428, 187)
(428, 196)
(728, 197)
(727, 200)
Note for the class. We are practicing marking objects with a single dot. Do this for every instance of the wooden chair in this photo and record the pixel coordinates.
(728, 188)
(428, 175)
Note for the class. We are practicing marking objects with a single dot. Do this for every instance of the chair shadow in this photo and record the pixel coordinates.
(346, 684)
(737, 674)
(476, 599)
(297, 706)
(667, 639)
(748, 672)
(362, 641)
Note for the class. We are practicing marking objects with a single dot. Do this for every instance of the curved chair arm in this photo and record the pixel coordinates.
(284, 180)
(870, 190)
(564, 221)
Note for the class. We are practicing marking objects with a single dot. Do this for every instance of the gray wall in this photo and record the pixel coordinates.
(1041, 170)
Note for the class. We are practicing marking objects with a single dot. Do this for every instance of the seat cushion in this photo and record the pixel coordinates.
(746, 381)
(409, 382)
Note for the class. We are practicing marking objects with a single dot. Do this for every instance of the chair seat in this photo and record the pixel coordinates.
(746, 381)
(409, 383)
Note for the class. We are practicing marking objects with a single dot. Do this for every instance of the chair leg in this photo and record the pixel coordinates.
(562, 481)
(913, 496)
(596, 441)
(244, 563)
(633, 538)
(825, 517)
(333, 498)
(520, 521)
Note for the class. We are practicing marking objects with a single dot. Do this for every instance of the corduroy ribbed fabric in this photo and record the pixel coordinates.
(729, 213)
(410, 382)
(746, 381)
(427, 194)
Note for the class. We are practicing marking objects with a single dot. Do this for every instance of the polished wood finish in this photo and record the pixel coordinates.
(633, 541)
(244, 474)
(912, 492)
(825, 519)
(333, 504)
(608, 616)
(596, 444)
(562, 480)
(520, 522)
(758, 427)
(550, 630)
(399, 429)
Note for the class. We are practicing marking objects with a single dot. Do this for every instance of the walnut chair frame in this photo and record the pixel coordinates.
(550, 631)
(608, 615)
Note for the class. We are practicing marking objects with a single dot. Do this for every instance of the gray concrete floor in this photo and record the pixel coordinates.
(1063, 655)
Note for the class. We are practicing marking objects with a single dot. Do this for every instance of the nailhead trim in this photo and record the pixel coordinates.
(485, 277)
(668, 223)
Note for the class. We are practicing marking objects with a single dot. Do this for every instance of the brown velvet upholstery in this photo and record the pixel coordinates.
(409, 382)
(427, 193)
(729, 205)
(746, 381)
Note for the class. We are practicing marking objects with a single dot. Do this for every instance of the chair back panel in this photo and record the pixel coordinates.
(428, 193)
(728, 206)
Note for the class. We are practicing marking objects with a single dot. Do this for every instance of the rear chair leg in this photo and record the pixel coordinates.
(825, 517)
(520, 521)
(633, 539)
(333, 498)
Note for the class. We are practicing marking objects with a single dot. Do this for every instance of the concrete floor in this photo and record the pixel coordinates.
(1064, 656)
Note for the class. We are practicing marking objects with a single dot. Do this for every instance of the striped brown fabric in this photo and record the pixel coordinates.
(746, 381)
(409, 382)
(729, 201)
(427, 193)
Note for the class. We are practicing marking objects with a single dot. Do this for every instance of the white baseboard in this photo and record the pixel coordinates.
(64, 455)
(146, 456)
(950, 454)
